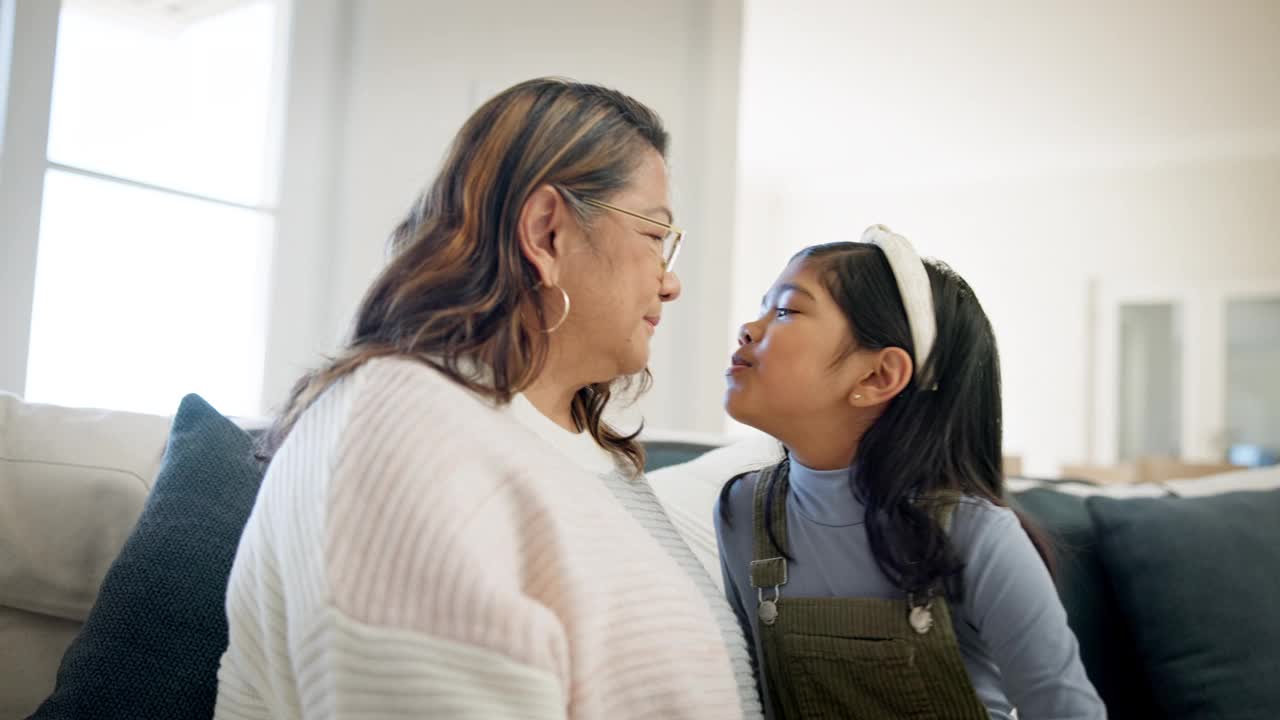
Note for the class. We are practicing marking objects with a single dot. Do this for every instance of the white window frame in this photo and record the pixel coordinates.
(308, 123)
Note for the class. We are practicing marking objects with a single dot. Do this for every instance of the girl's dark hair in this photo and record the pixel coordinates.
(930, 444)
(458, 290)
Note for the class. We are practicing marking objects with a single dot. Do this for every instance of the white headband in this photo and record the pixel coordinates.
(916, 292)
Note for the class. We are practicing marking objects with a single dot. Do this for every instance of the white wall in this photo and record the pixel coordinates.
(418, 69)
(298, 326)
(1037, 147)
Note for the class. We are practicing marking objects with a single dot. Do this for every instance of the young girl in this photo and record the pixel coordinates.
(876, 570)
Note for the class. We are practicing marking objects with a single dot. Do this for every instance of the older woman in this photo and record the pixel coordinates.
(448, 527)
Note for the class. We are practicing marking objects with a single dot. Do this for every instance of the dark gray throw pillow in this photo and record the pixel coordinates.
(151, 646)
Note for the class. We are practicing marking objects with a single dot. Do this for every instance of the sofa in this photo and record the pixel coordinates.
(1133, 562)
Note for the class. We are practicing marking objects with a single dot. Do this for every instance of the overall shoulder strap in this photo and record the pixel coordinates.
(768, 566)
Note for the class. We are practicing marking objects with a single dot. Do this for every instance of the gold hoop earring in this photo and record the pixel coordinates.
(563, 317)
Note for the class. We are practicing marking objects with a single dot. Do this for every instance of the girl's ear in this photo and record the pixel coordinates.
(889, 372)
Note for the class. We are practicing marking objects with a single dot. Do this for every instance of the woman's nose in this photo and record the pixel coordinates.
(670, 289)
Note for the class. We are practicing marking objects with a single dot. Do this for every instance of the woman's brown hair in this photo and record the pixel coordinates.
(458, 292)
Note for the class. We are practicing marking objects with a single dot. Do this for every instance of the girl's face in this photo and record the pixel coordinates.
(793, 364)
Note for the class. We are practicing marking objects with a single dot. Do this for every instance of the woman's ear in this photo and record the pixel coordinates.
(538, 230)
(888, 373)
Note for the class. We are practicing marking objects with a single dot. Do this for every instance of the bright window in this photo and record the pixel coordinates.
(157, 223)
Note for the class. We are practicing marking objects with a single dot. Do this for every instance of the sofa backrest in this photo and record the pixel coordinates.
(72, 484)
